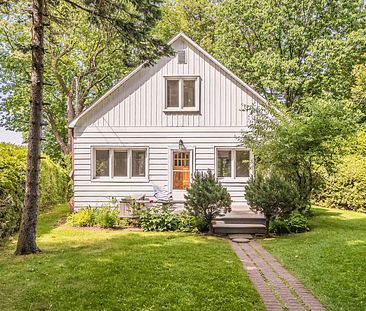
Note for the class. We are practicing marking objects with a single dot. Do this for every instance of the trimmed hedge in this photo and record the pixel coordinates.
(54, 185)
(347, 188)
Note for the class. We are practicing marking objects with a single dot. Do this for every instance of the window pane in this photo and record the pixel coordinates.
(172, 93)
(138, 162)
(102, 163)
(224, 163)
(242, 163)
(189, 93)
(120, 163)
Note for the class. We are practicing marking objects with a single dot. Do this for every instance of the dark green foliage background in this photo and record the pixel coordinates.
(54, 185)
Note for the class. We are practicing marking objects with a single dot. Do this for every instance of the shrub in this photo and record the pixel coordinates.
(297, 222)
(278, 226)
(9, 216)
(206, 199)
(54, 185)
(104, 216)
(188, 223)
(346, 189)
(107, 217)
(271, 195)
(84, 218)
(163, 218)
(294, 223)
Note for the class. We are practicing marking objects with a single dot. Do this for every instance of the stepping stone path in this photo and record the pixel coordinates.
(278, 288)
(240, 236)
(240, 240)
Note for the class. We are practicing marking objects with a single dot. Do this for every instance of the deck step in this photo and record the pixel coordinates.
(224, 228)
(240, 219)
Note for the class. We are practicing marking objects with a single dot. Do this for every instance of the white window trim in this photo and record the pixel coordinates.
(111, 177)
(180, 79)
(233, 177)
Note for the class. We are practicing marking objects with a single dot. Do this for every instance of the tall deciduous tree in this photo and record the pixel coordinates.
(289, 49)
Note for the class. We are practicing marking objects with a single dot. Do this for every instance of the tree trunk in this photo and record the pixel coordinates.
(27, 235)
(267, 226)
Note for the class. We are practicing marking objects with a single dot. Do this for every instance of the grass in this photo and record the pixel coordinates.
(95, 269)
(330, 259)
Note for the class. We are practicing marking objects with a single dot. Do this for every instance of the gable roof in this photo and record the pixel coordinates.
(73, 123)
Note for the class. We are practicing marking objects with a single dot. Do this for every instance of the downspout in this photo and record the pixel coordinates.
(71, 202)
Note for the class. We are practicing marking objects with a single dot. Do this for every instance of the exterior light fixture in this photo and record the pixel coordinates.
(181, 144)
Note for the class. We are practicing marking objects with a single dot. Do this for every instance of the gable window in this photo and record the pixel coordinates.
(120, 164)
(182, 93)
(232, 163)
(172, 93)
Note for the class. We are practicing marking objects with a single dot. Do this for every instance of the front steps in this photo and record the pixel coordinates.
(240, 222)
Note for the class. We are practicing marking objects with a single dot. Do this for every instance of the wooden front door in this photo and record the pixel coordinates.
(181, 170)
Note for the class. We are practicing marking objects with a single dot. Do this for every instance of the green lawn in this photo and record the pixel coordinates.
(93, 269)
(329, 260)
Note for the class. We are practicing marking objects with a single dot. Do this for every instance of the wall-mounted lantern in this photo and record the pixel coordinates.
(181, 144)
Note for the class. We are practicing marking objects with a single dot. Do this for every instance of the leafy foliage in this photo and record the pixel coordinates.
(346, 189)
(302, 145)
(292, 49)
(272, 195)
(278, 226)
(294, 223)
(104, 216)
(84, 218)
(163, 218)
(88, 49)
(207, 198)
(54, 185)
(297, 222)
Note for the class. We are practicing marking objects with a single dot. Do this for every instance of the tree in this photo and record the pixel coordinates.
(85, 56)
(206, 198)
(272, 196)
(132, 22)
(301, 145)
(359, 88)
(291, 49)
(194, 17)
(27, 235)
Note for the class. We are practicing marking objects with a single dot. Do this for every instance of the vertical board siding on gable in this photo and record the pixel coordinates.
(141, 100)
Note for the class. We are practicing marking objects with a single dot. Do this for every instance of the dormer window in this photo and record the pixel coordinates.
(182, 93)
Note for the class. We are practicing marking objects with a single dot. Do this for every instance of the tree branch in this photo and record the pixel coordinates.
(55, 61)
(56, 133)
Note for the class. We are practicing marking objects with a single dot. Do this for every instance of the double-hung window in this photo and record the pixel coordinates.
(182, 93)
(232, 163)
(115, 163)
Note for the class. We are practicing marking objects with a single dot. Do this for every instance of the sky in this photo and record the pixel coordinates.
(10, 137)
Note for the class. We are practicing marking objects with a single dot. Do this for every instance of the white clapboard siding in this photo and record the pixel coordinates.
(132, 115)
(96, 192)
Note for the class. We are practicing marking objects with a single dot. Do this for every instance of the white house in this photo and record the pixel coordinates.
(159, 125)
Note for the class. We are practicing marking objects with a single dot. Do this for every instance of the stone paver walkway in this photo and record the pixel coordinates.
(277, 287)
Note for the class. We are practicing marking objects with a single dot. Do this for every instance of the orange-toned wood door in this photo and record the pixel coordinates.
(181, 170)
